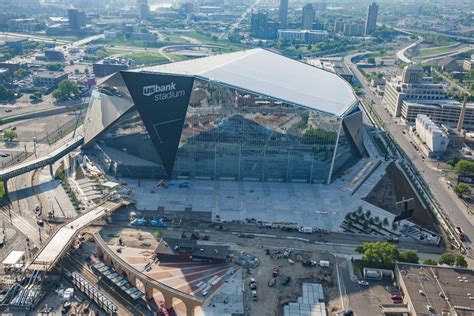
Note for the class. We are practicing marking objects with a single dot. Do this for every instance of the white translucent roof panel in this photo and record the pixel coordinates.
(270, 74)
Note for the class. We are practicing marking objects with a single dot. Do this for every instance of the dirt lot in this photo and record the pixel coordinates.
(131, 237)
(271, 299)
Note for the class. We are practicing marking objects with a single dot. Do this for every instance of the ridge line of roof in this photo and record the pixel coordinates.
(245, 53)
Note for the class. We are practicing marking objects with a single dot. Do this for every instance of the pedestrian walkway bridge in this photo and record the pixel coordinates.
(60, 242)
(40, 162)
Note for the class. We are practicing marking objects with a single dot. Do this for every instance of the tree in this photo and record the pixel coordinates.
(460, 261)
(6, 94)
(66, 89)
(54, 66)
(57, 94)
(371, 60)
(9, 135)
(453, 161)
(461, 189)
(464, 166)
(394, 226)
(447, 258)
(385, 222)
(20, 73)
(408, 256)
(452, 259)
(378, 254)
(430, 262)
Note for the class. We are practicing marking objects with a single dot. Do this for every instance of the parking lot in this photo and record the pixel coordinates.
(278, 279)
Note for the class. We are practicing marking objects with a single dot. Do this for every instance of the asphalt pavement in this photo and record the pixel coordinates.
(452, 206)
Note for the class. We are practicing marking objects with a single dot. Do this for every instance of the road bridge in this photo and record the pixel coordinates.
(40, 162)
(62, 239)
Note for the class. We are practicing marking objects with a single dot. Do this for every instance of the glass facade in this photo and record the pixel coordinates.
(229, 134)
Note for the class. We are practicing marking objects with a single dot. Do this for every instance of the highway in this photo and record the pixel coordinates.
(451, 205)
(401, 53)
(434, 57)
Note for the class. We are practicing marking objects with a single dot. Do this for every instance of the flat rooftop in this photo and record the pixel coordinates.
(49, 74)
(444, 288)
(438, 103)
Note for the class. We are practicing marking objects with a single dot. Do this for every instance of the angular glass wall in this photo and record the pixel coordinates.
(230, 134)
(128, 144)
(350, 145)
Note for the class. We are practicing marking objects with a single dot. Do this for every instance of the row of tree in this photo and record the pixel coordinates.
(384, 255)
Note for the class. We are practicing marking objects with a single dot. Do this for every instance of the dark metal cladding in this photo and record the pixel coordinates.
(162, 102)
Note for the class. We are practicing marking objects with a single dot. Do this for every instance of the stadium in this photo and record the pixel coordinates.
(251, 115)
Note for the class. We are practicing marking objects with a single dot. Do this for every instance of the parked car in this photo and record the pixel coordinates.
(275, 272)
(395, 297)
(393, 239)
(363, 283)
(254, 295)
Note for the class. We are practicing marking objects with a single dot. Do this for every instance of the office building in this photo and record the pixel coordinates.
(24, 25)
(338, 26)
(110, 66)
(444, 112)
(335, 65)
(304, 36)
(371, 19)
(411, 86)
(431, 135)
(77, 19)
(353, 29)
(49, 79)
(468, 64)
(307, 17)
(143, 10)
(433, 290)
(319, 6)
(53, 55)
(259, 24)
(233, 117)
(283, 14)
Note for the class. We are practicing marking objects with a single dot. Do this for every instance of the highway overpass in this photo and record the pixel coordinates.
(40, 162)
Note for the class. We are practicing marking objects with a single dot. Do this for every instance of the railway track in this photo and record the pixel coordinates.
(125, 305)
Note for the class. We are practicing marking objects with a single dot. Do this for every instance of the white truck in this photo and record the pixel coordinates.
(306, 230)
(324, 263)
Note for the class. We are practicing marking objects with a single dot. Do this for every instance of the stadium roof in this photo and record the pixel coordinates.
(269, 74)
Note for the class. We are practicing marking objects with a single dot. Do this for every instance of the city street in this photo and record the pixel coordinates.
(452, 206)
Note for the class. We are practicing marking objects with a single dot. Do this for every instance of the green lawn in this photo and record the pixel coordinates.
(200, 37)
(423, 52)
(147, 58)
(172, 38)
